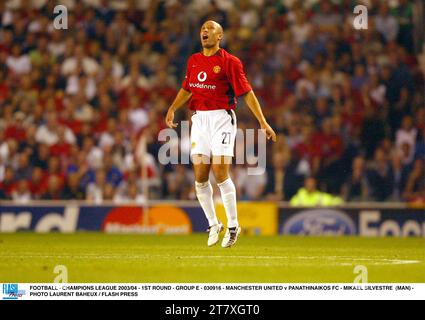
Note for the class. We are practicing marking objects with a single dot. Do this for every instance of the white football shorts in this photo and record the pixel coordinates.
(213, 133)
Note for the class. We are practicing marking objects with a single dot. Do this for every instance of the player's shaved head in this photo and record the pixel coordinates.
(215, 24)
(211, 34)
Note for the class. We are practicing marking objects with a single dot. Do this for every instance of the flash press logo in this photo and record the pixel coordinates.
(11, 291)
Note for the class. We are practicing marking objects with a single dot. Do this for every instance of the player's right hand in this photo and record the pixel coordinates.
(169, 119)
(269, 132)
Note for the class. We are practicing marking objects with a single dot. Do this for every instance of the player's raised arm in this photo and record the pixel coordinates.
(182, 97)
(253, 104)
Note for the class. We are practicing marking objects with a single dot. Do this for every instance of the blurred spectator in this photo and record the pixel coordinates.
(301, 28)
(21, 192)
(40, 157)
(284, 177)
(2, 169)
(356, 186)
(79, 61)
(326, 16)
(48, 133)
(23, 168)
(73, 189)
(9, 182)
(373, 131)
(113, 174)
(179, 182)
(380, 177)
(108, 192)
(131, 177)
(132, 194)
(400, 174)
(416, 181)
(406, 139)
(386, 24)
(17, 62)
(54, 169)
(250, 186)
(62, 148)
(137, 115)
(321, 111)
(53, 191)
(420, 146)
(8, 150)
(331, 149)
(310, 196)
(93, 153)
(38, 183)
(17, 130)
(309, 150)
(94, 191)
(404, 15)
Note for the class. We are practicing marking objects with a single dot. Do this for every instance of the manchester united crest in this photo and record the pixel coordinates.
(217, 69)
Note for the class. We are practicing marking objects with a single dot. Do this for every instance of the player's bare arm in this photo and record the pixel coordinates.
(182, 97)
(253, 104)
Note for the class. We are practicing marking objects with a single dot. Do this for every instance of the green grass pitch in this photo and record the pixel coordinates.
(97, 257)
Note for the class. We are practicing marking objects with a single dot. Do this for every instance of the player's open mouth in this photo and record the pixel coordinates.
(205, 37)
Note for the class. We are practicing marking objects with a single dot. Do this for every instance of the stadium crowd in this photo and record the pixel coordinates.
(348, 105)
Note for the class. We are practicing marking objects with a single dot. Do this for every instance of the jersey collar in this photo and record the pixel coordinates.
(217, 53)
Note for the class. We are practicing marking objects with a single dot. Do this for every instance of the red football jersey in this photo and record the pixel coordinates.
(215, 81)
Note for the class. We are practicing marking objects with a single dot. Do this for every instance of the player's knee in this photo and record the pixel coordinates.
(201, 176)
(220, 173)
(202, 172)
(201, 179)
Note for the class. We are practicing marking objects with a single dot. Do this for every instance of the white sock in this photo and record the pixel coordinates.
(204, 193)
(228, 196)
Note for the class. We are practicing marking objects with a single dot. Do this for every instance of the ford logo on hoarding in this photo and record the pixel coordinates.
(320, 222)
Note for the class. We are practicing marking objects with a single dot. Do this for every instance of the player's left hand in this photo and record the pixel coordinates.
(269, 132)
(169, 119)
